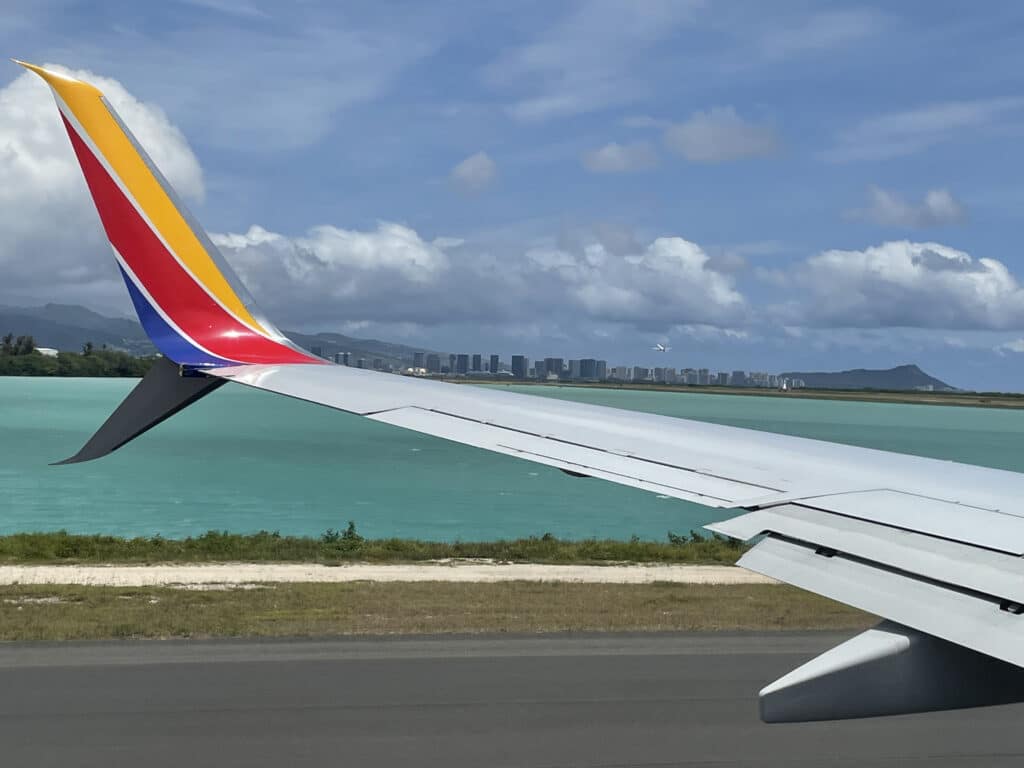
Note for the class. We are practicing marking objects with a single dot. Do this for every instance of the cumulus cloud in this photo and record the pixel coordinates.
(719, 135)
(888, 209)
(394, 275)
(53, 246)
(902, 283)
(1016, 346)
(621, 158)
(475, 172)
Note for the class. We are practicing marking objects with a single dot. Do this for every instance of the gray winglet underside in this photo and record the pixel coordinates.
(162, 392)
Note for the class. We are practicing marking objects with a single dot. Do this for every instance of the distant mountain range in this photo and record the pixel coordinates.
(901, 377)
(68, 327)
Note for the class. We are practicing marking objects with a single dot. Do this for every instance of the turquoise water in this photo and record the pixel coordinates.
(243, 460)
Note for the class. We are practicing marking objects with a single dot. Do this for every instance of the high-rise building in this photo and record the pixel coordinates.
(478, 363)
(554, 365)
(462, 364)
(703, 376)
(659, 375)
(520, 366)
(738, 379)
(495, 364)
(317, 350)
(378, 364)
(451, 363)
(689, 376)
(588, 368)
(601, 370)
(339, 358)
(640, 373)
(417, 360)
(619, 373)
(361, 362)
(433, 363)
(722, 379)
(574, 369)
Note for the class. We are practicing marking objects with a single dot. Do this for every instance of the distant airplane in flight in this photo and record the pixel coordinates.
(660, 348)
(934, 547)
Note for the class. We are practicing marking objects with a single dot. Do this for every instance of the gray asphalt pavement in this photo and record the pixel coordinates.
(644, 700)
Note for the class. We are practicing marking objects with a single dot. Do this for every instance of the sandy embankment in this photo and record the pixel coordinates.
(450, 571)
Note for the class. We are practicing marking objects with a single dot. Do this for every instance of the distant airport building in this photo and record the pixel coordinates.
(462, 364)
(433, 363)
(478, 363)
(495, 364)
(520, 366)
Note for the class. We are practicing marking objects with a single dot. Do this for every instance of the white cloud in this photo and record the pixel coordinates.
(394, 275)
(888, 209)
(258, 76)
(902, 283)
(1017, 346)
(475, 172)
(588, 59)
(915, 130)
(719, 135)
(314, 276)
(621, 158)
(822, 31)
(53, 247)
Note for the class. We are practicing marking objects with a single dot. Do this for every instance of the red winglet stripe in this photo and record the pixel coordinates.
(173, 288)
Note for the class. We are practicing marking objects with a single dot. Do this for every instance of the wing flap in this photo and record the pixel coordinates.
(963, 617)
(993, 573)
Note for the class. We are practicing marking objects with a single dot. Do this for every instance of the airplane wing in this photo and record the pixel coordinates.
(933, 547)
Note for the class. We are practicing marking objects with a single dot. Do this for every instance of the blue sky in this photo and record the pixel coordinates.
(765, 186)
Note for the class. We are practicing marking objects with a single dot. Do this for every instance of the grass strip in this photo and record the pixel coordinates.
(348, 546)
(317, 610)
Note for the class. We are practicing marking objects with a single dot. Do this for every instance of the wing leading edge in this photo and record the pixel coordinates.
(934, 547)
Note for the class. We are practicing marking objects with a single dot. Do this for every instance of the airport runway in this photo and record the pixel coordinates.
(640, 700)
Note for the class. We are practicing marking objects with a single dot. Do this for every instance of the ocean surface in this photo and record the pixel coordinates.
(243, 461)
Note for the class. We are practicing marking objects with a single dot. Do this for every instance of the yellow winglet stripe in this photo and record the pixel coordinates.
(86, 104)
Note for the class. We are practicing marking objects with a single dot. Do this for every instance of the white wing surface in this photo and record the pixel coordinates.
(934, 546)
